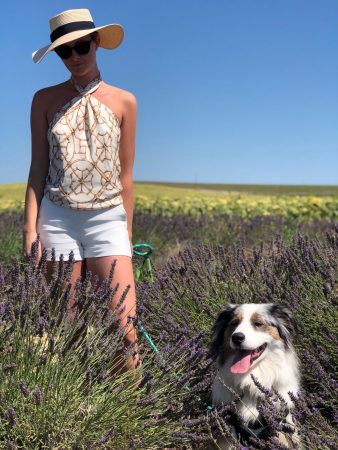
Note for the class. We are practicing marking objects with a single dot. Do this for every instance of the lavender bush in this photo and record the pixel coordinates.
(169, 234)
(10, 235)
(56, 384)
(194, 285)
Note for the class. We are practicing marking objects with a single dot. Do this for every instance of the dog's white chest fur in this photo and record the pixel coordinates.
(278, 370)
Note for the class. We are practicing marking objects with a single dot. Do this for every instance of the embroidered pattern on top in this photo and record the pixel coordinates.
(84, 137)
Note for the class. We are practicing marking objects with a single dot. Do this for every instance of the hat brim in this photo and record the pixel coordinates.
(111, 37)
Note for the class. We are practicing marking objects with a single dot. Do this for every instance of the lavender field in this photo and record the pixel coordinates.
(56, 386)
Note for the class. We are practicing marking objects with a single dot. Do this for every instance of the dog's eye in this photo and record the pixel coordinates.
(258, 324)
(234, 323)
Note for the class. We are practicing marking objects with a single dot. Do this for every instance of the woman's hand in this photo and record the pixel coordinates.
(28, 237)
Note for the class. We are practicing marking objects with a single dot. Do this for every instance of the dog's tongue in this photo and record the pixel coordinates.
(241, 362)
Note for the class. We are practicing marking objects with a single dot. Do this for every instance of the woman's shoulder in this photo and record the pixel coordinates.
(122, 94)
(50, 91)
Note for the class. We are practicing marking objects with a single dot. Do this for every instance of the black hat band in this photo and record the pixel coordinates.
(69, 27)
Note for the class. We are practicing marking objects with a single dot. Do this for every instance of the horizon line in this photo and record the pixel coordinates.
(208, 183)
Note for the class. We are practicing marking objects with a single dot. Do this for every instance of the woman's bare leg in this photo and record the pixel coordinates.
(78, 271)
(123, 275)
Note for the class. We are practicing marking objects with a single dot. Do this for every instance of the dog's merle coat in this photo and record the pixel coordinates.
(254, 339)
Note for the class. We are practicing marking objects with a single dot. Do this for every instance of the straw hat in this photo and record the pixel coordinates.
(75, 23)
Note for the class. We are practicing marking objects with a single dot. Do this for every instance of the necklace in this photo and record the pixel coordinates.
(91, 83)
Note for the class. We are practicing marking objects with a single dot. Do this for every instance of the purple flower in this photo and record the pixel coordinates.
(11, 416)
(37, 396)
(24, 389)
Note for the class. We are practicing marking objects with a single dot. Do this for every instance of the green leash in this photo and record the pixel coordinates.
(144, 272)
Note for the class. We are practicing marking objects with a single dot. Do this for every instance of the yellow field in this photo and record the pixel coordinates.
(170, 199)
(12, 195)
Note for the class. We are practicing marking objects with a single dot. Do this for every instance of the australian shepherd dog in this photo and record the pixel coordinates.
(254, 339)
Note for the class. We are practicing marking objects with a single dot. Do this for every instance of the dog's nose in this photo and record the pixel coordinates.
(238, 338)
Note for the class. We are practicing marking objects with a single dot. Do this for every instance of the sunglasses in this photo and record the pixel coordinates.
(65, 51)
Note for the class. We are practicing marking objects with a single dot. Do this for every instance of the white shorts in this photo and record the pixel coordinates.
(89, 234)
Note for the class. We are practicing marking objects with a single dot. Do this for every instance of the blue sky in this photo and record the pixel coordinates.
(229, 91)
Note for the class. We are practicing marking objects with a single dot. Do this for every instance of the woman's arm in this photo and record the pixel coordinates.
(38, 169)
(127, 156)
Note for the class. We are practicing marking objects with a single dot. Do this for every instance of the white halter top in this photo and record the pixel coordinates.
(84, 169)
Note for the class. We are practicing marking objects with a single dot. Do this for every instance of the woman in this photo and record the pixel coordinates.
(80, 192)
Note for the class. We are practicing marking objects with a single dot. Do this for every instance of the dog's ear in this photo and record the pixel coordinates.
(222, 321)
(285, 322)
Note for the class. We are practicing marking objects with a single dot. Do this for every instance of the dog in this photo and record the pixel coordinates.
(254, 340)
